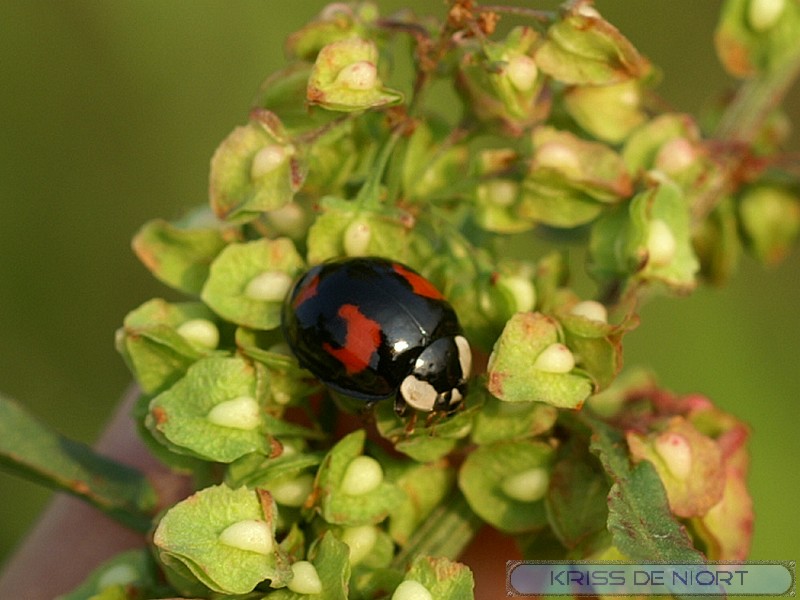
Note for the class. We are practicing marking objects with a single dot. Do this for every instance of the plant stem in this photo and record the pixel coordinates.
(541, 16)
(754, 100)
(369, 194)
(446, 532)
(741, 124)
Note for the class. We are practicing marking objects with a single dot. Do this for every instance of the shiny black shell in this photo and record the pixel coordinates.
(360, 324)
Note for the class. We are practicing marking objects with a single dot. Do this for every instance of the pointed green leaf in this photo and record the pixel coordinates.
(640, 521)
(446, 532)
(32, 450)
(576, 501)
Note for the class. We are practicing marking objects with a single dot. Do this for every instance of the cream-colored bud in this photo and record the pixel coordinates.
(661, 243)
(674, 450)
(122, 574)
(522, 72)
(592, 310)
(762, 15)
(558, 156)
(201, 332)
(267, 160)
(361, 75)
(269, 286)
(411, 590)
(675, 156)
(527, 486)
(305, 579)
(239, 413)
(252, 535)
(556, 358)
(522, 290)
(357, 237)
(293, 492)
(363, 475)
(361, 540)
(500, 192)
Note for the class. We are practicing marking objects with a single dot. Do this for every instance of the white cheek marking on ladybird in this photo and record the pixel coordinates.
(419, 394)
(455, 397)
(400, 346)
(464, 355)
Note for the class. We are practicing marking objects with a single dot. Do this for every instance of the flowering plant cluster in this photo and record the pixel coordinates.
(552, 145)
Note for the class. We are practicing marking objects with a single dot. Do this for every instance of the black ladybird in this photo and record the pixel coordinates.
(372, 328)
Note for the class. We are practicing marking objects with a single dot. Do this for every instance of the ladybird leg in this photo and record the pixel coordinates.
(453, 409)
(368, 413)
(411, 424)
(432, 417)
(400, 406)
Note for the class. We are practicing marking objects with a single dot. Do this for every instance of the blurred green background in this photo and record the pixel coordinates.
(109, 113)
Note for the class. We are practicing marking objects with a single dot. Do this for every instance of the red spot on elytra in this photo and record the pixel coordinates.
(309, 291)
(418, 283)
(362, 340)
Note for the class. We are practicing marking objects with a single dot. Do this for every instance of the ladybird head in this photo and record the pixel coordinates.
(438, 379)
